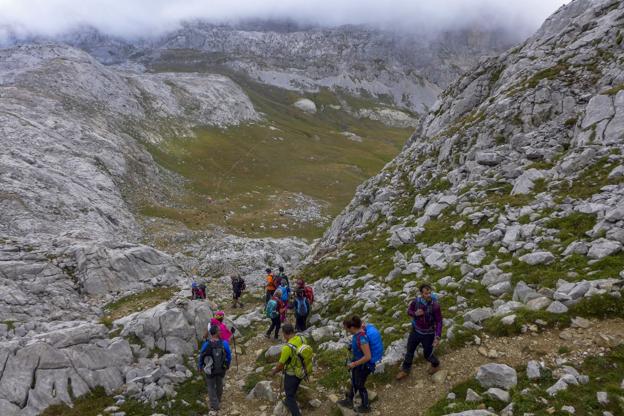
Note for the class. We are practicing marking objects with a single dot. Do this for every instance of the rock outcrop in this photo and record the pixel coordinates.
(509, 187)
(59, 362)
(404, 69)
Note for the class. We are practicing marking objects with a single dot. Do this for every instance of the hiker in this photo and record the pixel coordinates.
(197, 292)
(308, 290)
(285, 292)
(302, 310)
(202, 291)
(362, 362)
(238, 287)
(270, 286)
(275, 310)
(296, 363)
(426, 317)
(224, 332)
(214, 360)
(281, 277)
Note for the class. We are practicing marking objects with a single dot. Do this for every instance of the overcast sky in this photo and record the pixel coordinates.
(151, 17)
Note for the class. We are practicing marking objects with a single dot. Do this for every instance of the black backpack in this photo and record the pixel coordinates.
(239, 284)
(215, 363)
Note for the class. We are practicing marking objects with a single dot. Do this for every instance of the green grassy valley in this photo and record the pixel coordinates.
(286, 175)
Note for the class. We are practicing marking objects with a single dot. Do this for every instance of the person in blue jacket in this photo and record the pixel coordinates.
(215, 357)
(360, 365)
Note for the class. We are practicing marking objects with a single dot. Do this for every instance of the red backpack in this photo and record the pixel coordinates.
(308, 291)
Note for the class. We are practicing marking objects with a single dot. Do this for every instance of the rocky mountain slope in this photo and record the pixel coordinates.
(508, 197)
(406, 70)
(73, 167)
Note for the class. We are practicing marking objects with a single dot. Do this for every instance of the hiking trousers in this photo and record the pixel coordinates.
(359, 375)
(276, 323)
(214, 385)
(426, 340)
(301, 322)
(291, 384)
(268, 296)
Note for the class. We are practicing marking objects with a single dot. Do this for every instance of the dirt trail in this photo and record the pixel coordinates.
(416, 394)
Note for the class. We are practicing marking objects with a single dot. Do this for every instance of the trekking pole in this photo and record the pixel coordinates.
(235, 352)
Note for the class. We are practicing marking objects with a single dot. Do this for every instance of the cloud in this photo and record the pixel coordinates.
(152, 17)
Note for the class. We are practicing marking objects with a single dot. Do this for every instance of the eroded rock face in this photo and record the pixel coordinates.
(171, 326)
(62, 361)
(67, 279)
(70, 128)
(226, 254)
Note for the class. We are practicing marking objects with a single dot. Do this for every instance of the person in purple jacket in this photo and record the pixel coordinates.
(426, 330)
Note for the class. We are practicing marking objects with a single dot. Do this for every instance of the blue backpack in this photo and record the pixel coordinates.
(271, 309)
(375, 342)
(285, 293)
(302, 306)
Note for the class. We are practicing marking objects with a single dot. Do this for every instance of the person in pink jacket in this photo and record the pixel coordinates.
(224, 332)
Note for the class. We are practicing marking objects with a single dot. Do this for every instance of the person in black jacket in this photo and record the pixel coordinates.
(238, 287)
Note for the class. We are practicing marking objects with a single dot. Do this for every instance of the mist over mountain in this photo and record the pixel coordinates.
(143, 18)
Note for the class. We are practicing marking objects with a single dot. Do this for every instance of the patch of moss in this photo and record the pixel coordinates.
(589, 181)
(546, 275)
(571, 122)
(332, 369)
(499, 195)
(599, 306)
(541, 165)
(10, 324)
(439, 230)
(135, 303)
(91, 404)
(573, 226)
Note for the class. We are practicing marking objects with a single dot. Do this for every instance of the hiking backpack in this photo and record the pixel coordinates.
(375, 343)
(305, 355)
(302, 306)
(309, 294)
(285, 294)
(239, 285)
(271, 311)
(215, 361)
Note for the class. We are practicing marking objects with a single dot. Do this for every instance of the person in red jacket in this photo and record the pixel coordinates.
(426, 317)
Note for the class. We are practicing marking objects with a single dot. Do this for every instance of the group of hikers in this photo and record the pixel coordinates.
(279, 299)
(296, 356)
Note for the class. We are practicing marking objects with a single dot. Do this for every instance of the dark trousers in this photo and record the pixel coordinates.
(359, 375)
(301, 322)
(276, 323)
(426, 340)
(268, 296)
(291, 384)
(214, 384)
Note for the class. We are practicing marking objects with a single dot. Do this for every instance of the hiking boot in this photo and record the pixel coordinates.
(267, 336)
(432, 370)
(362, 409)
(402, 374)
(345, 403)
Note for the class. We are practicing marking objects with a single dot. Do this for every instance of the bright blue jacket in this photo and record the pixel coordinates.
(226, 346)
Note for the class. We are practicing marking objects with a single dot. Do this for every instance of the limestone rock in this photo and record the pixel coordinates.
(306, 105)
(497, 375)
